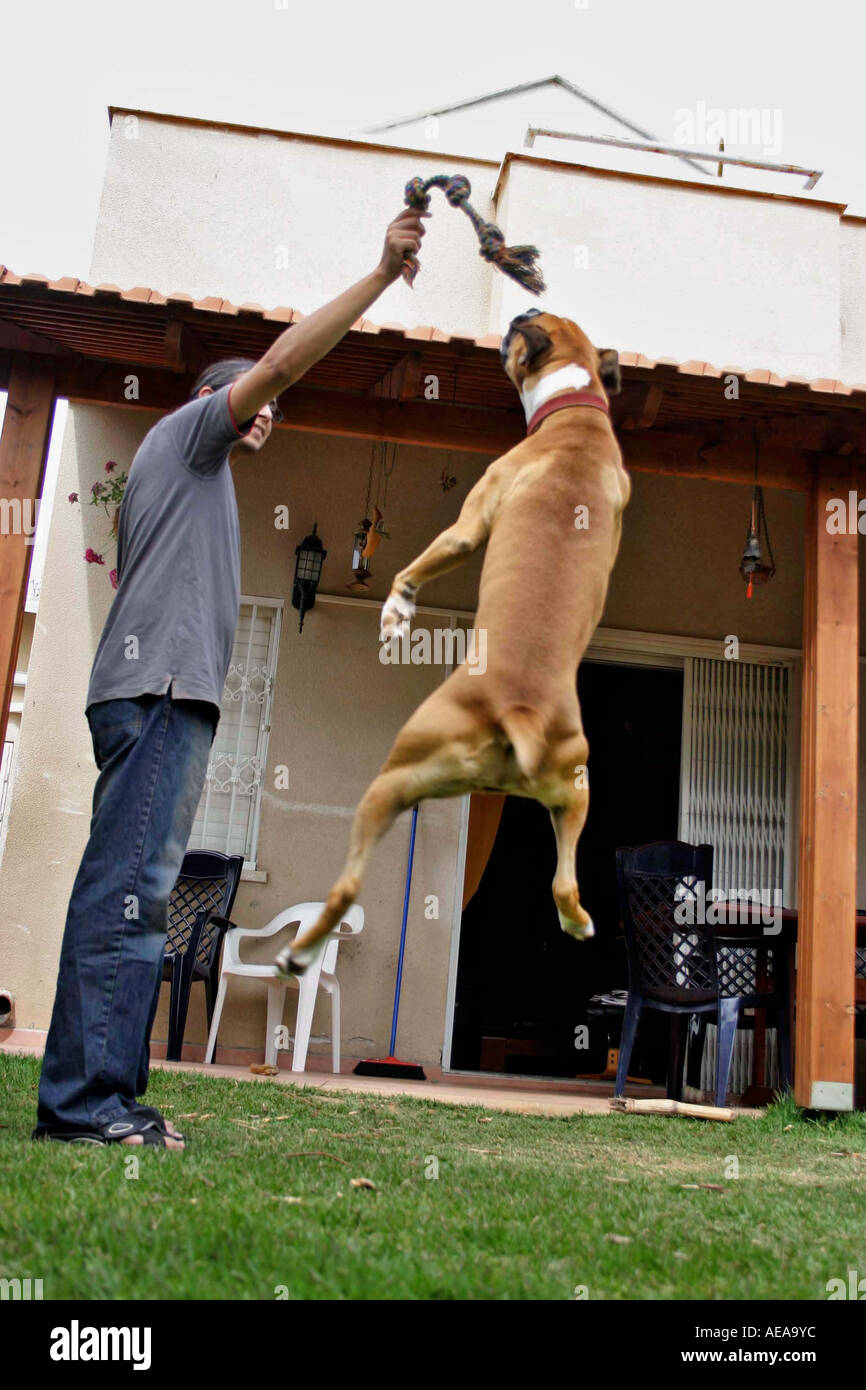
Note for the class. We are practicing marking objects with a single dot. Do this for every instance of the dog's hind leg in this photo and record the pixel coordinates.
(568, 822)
(405, 779)
(377, 810)
(569, 817)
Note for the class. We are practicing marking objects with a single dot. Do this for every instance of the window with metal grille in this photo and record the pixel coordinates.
(227, 818)
(5, 772)
(735, 790)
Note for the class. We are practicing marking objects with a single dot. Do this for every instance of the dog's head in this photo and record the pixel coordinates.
(539, 342)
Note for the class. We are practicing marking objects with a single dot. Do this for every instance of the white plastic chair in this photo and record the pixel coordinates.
(318, 975)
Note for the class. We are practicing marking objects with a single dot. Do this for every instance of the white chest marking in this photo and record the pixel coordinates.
(569, 378)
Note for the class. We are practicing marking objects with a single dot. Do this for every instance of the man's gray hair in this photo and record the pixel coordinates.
(223, 373)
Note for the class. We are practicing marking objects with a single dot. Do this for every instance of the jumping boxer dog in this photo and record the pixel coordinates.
(550, 511)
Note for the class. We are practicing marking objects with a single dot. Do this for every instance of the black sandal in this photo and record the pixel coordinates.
(153, 1132)
(151, 1112)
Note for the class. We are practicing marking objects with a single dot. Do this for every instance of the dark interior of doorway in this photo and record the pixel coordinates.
(519, 977)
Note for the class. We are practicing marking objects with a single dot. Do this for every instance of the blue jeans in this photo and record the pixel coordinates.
(152, 755)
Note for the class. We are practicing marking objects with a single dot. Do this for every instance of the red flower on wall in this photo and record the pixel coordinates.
(108, 495)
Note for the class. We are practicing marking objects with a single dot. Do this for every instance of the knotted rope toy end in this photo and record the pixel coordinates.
(519, 262)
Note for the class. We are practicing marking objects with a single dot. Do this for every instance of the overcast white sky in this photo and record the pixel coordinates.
(336, 67)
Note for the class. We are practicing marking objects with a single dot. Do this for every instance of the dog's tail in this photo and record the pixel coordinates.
(525, 729)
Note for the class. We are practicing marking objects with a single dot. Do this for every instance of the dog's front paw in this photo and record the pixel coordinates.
(397, 614)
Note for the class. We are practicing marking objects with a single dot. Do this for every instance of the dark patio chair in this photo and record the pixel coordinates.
(860, 972)
(198, 915)
(691, 968)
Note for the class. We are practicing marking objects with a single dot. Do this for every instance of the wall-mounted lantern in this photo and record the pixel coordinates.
(309, 558)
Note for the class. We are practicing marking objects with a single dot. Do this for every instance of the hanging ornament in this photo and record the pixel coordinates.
(754, 568)
(446, 480)
(360, 565)
(371, 531)
(376, 533)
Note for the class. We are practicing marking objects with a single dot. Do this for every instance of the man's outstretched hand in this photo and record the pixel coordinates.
(404, 234)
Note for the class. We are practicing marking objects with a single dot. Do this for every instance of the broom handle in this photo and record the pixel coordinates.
(391, 1052)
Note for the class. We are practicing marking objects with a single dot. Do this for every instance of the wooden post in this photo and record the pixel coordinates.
(828, 802)
(23, 449)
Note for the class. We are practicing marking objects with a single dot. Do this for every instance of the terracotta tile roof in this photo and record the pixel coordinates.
(662, 369)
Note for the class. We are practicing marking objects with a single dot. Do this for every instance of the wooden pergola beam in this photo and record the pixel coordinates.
(23, 450)
(696, 453)
(642, 407)
(402, 381)
(824, 1077)
(14, 339)
(804, 426)
(435, 424)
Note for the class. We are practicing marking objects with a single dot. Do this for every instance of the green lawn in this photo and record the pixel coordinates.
(522, 1208)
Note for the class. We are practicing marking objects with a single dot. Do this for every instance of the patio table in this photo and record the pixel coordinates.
(786, 940)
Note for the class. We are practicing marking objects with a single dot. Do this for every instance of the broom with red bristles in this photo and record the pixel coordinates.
(391, 1065)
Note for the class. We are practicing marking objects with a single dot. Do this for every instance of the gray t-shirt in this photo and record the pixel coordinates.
(172, 623)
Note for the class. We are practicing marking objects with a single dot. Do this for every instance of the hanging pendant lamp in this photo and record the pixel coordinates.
(754, 568)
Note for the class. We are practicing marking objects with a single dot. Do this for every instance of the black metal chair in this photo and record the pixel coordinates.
(860, 979)
(198, 915)
(685, 967)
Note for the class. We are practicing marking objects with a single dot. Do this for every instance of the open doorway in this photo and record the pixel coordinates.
(523, 987)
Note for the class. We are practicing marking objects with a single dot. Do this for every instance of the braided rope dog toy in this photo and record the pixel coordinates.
(516, 261)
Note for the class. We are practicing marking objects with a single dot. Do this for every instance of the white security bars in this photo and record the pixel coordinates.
(5, 771)
(227, 818)
(735, 745)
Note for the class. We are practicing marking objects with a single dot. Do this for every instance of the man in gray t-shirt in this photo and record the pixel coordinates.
(153, 705)
(172, 623)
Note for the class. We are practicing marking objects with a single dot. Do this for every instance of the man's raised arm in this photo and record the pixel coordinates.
(295, 351)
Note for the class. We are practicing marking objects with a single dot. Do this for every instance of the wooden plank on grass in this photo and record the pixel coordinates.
(671, 1107)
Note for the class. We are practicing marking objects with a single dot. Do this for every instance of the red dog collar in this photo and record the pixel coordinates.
(561, 402)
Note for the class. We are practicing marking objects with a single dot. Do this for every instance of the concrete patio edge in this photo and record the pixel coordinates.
(514, 1098)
